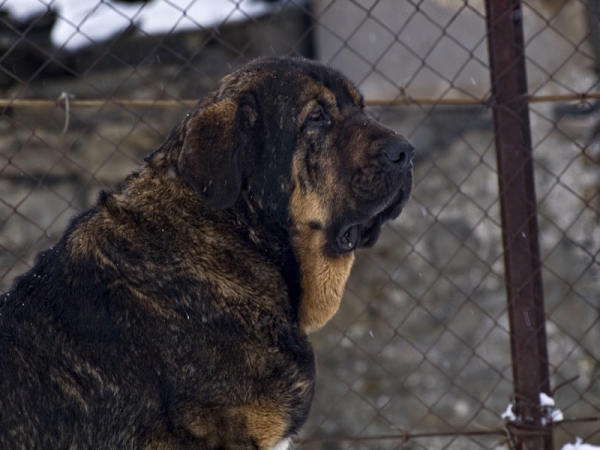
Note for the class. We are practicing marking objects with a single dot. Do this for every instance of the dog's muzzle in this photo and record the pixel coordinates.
(397, 155)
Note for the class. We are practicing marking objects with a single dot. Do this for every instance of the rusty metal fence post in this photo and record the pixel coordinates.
(531, 428)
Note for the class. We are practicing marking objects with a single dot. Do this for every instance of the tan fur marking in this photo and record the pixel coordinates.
(265, 425)
(83, 239)
(262, 423)
(323, 278)
(306, 110)
(312, 95)
(356, 96)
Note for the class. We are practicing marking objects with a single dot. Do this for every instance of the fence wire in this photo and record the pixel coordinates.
(419, 355)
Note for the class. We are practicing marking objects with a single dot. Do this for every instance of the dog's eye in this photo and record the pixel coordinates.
(318, 116)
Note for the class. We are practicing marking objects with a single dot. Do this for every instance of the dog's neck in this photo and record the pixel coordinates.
(164, 193)
(323, 278)
(315, 281)
(309, 270)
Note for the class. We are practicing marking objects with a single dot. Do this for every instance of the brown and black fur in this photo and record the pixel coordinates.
(175, 313)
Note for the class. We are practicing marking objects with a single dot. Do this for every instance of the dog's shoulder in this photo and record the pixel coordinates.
(176, 286)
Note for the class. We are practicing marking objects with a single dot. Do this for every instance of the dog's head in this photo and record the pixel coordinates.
(293, 137)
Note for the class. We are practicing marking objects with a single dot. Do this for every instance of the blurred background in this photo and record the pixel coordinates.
(418, 357)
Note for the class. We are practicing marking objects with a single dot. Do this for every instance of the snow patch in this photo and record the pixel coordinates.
(552, 414)
(579, 445)
(84, 22)
(509, 413)
(546, 404)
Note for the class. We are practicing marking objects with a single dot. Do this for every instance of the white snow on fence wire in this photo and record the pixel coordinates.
(546, 400)
(546, 403)
(83, 22)
(509, 413)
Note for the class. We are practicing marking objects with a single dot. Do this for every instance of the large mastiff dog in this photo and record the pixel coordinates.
(175, 313)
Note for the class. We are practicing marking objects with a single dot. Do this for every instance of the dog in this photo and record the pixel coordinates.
(175, 312)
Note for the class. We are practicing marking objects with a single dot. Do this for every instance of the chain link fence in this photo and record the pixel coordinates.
(419, 355)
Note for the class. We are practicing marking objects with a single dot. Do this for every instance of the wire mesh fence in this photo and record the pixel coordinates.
(419, 355)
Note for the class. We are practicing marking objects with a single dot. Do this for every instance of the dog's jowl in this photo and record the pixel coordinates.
(174, 314)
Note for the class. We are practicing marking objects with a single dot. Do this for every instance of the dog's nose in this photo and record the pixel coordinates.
(399, 152)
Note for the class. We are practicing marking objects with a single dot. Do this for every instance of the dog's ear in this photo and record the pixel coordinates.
(213, 149)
